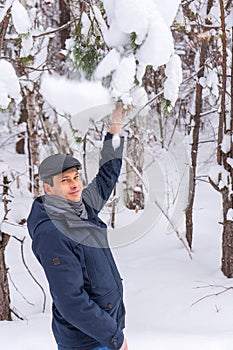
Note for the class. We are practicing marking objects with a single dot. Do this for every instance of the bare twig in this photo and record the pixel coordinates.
(55, 30)
(96, 21)
(15, 313)
(136, 172)
(203, 114)
(206, 141)
(174, 228)
(225, 289)
(29, 271)
(18, 291)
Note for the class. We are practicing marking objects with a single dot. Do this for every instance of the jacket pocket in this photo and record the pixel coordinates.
(98, 270)
(110, 302)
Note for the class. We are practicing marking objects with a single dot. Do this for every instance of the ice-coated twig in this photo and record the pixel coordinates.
(174, 228)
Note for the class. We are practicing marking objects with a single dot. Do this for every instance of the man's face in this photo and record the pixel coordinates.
(67, 185)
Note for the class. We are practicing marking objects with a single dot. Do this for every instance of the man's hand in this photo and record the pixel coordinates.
(124, 345)
(117, 119)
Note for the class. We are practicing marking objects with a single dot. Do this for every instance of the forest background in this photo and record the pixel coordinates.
(63, 66)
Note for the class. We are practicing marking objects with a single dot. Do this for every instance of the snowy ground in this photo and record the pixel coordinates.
(161, 284)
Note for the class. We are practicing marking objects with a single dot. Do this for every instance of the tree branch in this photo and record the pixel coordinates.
(174, 228)
(136, 172)
(225, 289)
(15, 313)
(55, 30)
(18, 291)
(29, 271)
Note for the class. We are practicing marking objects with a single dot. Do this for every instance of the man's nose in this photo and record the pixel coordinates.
(74, 183)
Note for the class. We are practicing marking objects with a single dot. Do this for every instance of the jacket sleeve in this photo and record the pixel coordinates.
(99, 190)
(66, 283)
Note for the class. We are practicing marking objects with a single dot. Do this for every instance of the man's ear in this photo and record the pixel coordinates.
(47, 188)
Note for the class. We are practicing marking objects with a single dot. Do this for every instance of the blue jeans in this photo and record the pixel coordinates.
(99, 348)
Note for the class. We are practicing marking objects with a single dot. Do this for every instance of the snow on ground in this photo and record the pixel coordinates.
(161, 284)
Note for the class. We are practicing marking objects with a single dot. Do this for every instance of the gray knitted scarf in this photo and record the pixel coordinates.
(62, 205)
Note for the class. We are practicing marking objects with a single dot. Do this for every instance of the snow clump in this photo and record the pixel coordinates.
(9, 85)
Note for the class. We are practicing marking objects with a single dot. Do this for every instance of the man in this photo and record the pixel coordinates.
(70, 242)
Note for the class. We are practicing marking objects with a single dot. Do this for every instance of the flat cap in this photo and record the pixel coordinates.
(57, 164)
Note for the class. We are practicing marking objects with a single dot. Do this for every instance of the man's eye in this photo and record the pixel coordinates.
(63, 180)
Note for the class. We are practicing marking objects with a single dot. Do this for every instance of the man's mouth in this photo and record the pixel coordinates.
(74, 192)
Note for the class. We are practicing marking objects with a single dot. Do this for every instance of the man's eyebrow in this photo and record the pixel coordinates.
(67, 176)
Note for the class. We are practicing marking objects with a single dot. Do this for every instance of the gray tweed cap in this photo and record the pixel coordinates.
(57, 164)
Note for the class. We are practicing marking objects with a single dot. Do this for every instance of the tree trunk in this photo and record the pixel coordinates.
(64, 18)
(33, 143)
(227, 249)
(20, 144)
(3, 29)
(222, 116)
(227, 197)
(194, 150)
(5, 312)
(134, 195)
(232, 99)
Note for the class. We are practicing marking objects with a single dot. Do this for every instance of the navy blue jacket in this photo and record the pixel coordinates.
(85, 285)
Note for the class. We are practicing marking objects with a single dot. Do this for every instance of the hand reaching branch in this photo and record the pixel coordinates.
(118, 115)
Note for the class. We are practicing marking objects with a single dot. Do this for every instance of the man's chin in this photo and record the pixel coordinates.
(73, 198)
